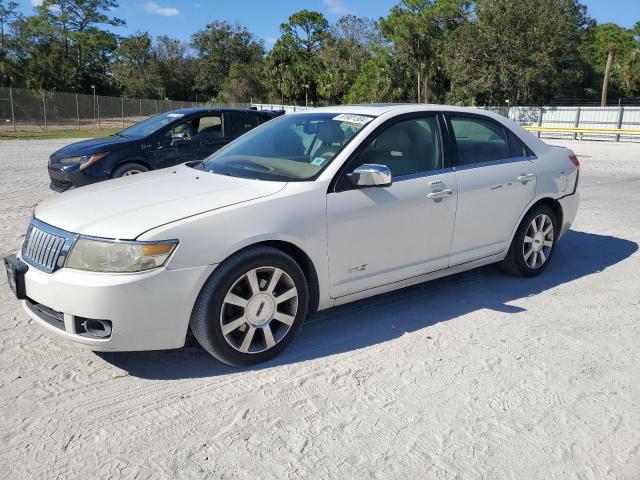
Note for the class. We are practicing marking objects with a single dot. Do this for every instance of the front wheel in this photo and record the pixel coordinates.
(129, 169)
(251, 307)
(533, 244)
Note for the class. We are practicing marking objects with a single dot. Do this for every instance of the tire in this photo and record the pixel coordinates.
(250, 306)
(519, 260)
(127, 169)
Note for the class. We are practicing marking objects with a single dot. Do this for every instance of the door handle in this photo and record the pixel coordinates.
(525, 177)
(440, 194)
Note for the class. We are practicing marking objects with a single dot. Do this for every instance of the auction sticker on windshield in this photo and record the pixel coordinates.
(350, 118)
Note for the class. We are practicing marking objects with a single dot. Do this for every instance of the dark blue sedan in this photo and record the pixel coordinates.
(157, 142)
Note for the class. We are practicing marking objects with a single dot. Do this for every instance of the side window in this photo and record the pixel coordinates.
(189, 128)
(516, 147)
(406, 147)
(241, 122)
(210, 127)
(479, 140)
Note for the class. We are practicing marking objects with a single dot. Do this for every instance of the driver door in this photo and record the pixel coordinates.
(382, 235)
(179, 143)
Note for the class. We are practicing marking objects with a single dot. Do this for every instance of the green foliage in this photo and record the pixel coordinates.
(217, 47)
(523, 52)
(457, 51)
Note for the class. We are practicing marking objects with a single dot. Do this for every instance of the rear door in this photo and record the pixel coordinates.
(210, 134)
(496, 179)
(238, 123)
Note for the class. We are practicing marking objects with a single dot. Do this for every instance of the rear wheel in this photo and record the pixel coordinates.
(533, 244)
(251, 307)
(129, 169)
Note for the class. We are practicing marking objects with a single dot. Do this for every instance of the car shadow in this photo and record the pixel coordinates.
(388, 316)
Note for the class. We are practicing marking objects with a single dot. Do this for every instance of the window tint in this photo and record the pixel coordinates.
(406, 147)
(210, 127)
(516, 147)
(190, 127)
(479, 140)
(241, 122)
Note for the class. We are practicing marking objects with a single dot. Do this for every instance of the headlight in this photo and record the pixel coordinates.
(115, 256)
(83, 160)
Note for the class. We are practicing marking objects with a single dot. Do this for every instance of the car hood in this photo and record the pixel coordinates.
(93, 145)
(124, 208)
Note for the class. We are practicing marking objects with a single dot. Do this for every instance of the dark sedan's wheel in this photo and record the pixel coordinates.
(533, 244)
(129, 169)
(251, 307)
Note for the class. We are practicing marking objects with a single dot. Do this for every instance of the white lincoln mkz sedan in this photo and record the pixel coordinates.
(307, 211)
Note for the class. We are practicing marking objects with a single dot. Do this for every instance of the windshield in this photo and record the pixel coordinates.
(150, 125)
(290, 148)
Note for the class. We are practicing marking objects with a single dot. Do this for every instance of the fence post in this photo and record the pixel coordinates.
(576, 123)
(156, 103)
(98, 110)
(44, 110)
(620, 117)
(77, 112)
(122, 105)
(540, 114)
(140, 107)
(13, 117)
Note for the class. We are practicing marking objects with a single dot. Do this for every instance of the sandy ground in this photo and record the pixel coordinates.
(475, 376)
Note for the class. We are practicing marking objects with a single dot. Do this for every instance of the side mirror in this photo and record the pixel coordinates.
(370, 175)
(179, 139)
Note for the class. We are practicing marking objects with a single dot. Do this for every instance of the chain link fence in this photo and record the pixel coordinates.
(24, 110)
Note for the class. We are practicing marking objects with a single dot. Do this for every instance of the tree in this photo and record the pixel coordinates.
(385, 77)
(524, 52)
(217, 46)
(347, 48)
(610, 53)
(64, 47)
(607, 71)
(418, 28)
(298, 53)
(9, 16)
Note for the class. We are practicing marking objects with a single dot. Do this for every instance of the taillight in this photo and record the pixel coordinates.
(574, 160)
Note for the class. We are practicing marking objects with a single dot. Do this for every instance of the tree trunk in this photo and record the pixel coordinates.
(418, 84)
(426, 90)
(607, 71)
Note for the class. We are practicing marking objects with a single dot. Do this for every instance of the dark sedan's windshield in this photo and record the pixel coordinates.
(150, 125)
(289, 148)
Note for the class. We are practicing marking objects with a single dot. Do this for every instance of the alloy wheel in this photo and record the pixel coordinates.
(538, 241)
(259, 309)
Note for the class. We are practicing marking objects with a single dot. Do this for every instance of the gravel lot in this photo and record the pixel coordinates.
(475, 376)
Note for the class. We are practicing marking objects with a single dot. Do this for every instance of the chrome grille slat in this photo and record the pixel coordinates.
(45, 247)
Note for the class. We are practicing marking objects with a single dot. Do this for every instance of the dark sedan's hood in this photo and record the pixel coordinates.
(94, 145)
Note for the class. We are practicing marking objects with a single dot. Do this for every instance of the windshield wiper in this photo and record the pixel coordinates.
(197, 164)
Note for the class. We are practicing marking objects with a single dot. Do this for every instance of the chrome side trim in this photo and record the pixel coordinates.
(389, 287)
(494, 162)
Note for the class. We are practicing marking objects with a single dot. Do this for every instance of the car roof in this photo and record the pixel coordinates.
(377, 109)
(192, 110)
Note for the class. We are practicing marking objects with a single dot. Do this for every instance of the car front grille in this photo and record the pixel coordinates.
(58, 179)
(45, 247)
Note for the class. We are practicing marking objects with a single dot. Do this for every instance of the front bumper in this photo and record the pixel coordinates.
(63, 177)
(147, 311)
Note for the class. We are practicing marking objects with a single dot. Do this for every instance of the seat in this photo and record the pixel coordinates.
(331, 138)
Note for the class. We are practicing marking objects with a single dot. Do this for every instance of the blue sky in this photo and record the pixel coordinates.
(180, 18)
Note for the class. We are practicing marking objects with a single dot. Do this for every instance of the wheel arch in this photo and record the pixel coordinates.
(550, 202)
(127, 161)
(302, 259)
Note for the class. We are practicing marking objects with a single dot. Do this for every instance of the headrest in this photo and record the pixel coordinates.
(394, 140)
(330, 132)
